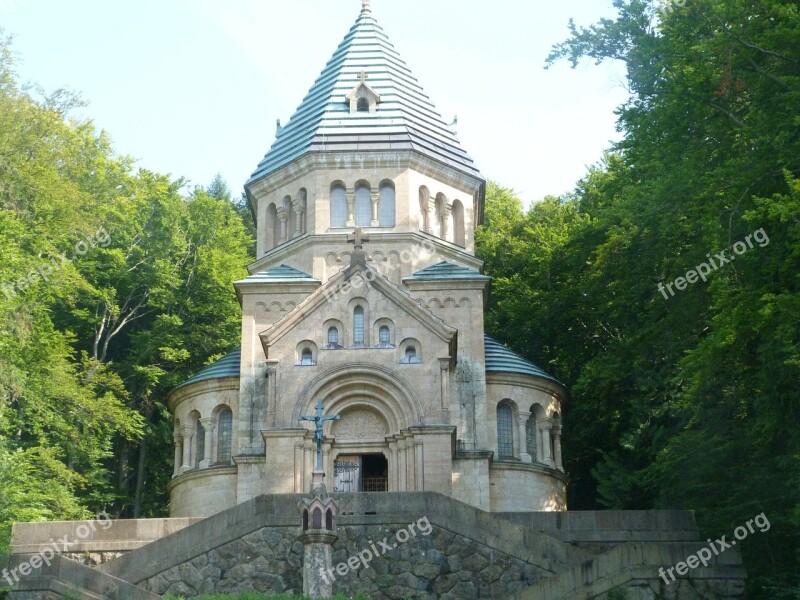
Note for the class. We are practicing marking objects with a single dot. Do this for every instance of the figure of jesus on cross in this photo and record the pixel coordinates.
(319, 420)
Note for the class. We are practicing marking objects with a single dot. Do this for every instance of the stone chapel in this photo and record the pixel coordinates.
(367, 295)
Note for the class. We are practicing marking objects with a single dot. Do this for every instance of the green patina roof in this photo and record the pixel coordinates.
(405, 118)
(500, 359)
(283, 273)
(227, 366)
(446, 270)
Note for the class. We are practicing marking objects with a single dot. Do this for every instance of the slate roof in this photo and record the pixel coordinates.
(500, 359)
(405, 119)
(227, 366)
(446, 270)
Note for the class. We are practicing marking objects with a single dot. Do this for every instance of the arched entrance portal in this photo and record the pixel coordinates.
(361, 473)
(359, 445)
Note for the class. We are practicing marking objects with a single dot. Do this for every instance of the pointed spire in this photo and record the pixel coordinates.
(366, 9)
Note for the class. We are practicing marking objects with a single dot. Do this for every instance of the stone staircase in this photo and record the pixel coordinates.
(468, 554)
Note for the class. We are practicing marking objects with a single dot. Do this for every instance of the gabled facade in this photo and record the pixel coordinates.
(367, 294)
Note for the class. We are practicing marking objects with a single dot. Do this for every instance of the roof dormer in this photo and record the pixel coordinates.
(363, 98)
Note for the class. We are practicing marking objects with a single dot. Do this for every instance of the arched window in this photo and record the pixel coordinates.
(363, 105)
(273, 226)
(305, 519)
(358, 326)
(385, 337)
(333, 337)
(386, 207)
(411, 356)
(459, 233)
(505, 431)
(338, 206)
(316, 519)
(201, 443)
(225, 440)
(530, 433)
(307, 357)
(363, 206)
(329, 520)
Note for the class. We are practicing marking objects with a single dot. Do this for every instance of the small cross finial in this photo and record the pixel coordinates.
(365, 7)
(363, 76)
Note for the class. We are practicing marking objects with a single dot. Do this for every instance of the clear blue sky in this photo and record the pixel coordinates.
(193, 87)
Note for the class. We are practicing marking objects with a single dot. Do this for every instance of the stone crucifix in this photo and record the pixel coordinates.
(357, 238)
(319, 421)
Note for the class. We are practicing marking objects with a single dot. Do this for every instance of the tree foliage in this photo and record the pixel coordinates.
(689, 400)
(115, 286)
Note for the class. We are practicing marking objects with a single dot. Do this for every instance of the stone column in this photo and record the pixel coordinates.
(446, 214)
(394, 466)
(376, 197)
(178, 438)
(420, 470)
(547, 449)
(283, 216)
(411, 459)
(444, 372)
(429, 216)
(557, 447)
(524, 451)
(351, 207)
(272, 393)
(209, 425)
(402, 467)
(188, 434)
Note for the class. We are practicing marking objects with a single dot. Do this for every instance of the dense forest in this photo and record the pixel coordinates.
(683, 396)
(664, 291)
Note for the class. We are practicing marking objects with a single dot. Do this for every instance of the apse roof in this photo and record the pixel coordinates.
(227, 366)
(500, 359)
(405, 118)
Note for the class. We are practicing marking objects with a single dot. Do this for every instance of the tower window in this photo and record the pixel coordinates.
(338, 206)
(358, 326)
(385, 337)
(363, 105)
(363, 208)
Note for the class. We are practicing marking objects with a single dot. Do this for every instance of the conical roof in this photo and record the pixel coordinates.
(405, 118)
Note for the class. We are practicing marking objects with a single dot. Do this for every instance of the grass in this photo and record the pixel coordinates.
(250, 596)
